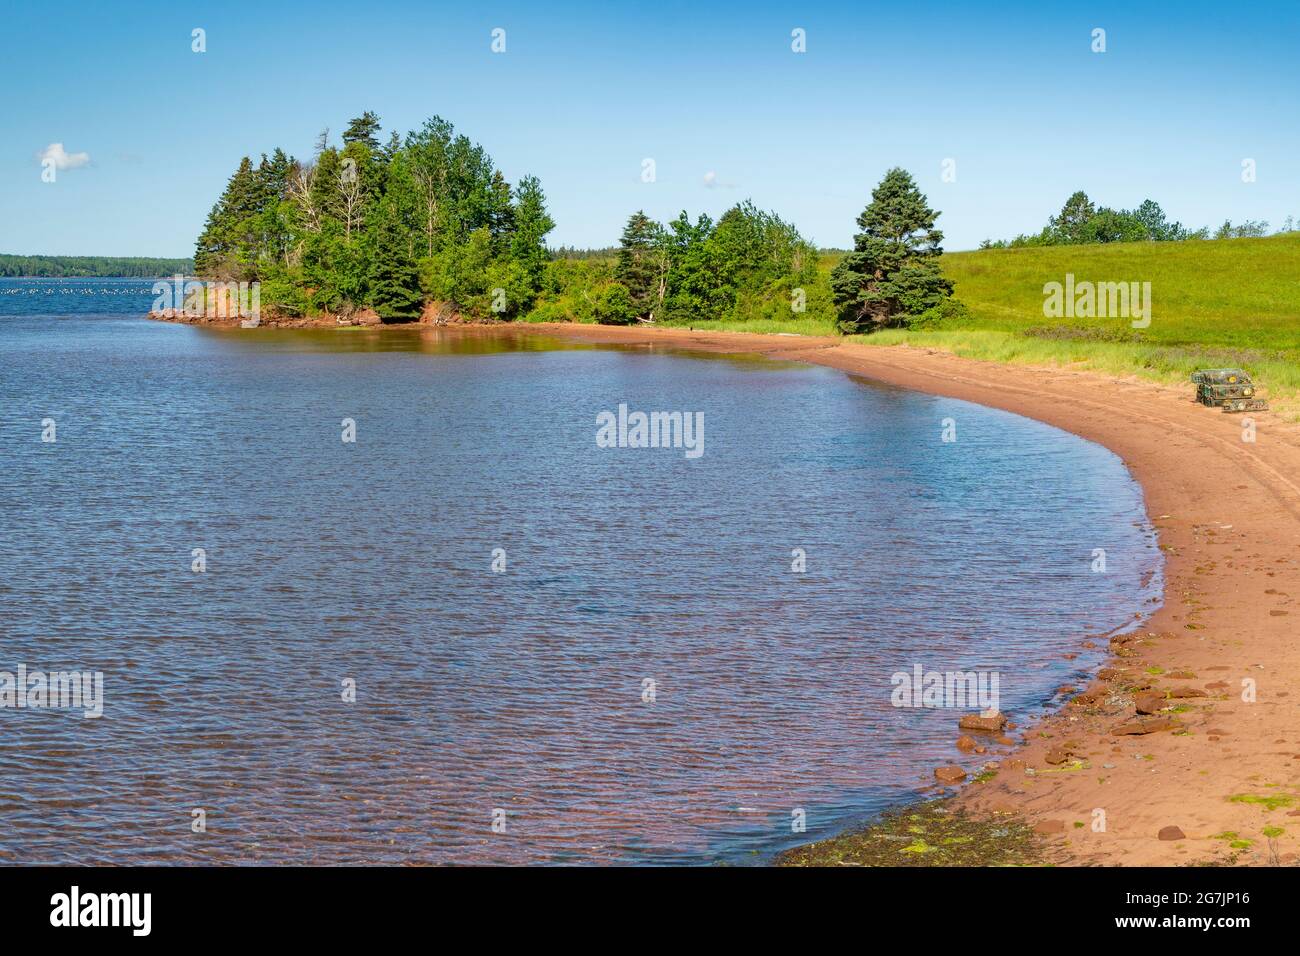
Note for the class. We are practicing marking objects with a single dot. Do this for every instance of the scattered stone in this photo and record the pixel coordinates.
(1183, 692)
(1057, 756)
(1149, 702)
(988, 725)
(1145, 725)
(949, 774)
(1004, 741)
(965, 744)
(1172, 833)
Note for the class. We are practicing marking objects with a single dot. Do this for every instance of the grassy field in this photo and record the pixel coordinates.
(1233, 302)
(1214, 303)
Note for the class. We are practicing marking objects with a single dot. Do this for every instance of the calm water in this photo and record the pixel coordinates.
(520, 691)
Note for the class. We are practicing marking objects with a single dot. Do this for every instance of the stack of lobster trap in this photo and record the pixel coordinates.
(1228, 388)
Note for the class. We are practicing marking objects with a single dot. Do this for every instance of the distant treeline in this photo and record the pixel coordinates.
(571, 252)
(96, 267)
(1080, 222)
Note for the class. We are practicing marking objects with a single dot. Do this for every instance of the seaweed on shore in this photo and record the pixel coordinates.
(931, 834)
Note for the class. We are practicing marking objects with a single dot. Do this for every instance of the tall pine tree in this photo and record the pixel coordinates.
(392, 277)
(531, 224)
(893, 273)
(643, 264)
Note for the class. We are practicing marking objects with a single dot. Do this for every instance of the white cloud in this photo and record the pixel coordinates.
(711, 181)
(61, 158)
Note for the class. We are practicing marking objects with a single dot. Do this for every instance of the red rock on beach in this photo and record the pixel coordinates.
(1149, 702)
(1145, 725)
(988, 725)
(949, 774)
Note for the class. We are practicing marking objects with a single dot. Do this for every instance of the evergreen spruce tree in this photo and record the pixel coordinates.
(642, 264)
(210, 249)
(893, 273)
(531, 224)
(228, 241)
(498, 214)
(363, 129)
(392, 277)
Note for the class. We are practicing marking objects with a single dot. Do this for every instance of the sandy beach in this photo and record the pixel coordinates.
(1215, 664)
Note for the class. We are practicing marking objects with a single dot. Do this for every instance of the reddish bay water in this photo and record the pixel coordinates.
(519, 697)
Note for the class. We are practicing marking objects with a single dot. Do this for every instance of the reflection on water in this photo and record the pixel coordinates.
(519, 695)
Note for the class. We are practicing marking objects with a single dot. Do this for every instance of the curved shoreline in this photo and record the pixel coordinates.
(1221, 774)
(1226, 772)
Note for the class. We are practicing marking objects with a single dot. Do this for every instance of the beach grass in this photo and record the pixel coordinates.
(811, 325)
(1229, 303)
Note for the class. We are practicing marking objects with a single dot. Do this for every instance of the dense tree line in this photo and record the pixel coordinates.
(386, 226)
(749, 264)
(73, 267)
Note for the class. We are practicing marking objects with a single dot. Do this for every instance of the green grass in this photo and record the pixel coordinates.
(802, 326)
(1214, 303)
(1232, 302)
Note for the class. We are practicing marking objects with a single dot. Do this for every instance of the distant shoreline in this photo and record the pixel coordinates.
(92, 267)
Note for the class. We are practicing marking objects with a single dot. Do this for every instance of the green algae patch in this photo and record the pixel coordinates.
(1268, 803)
(929, 835)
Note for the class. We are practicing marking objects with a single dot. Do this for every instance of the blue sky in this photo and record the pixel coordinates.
(584, 92)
